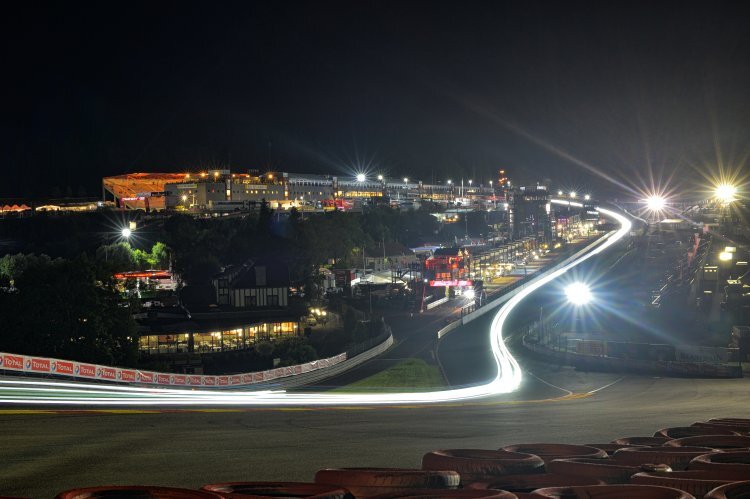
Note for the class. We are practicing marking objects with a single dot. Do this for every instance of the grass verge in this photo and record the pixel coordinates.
(410, 375)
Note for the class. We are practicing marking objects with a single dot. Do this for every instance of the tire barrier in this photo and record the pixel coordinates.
(608, 470)
(529, 483)
(477, 465)
(715, 470)
(742, 429)
(736, 461)
(641, 441)
(136, 491)
(612, 492)
(548, 452)
(698, 483)
(277, 489)
(368, 482)
(676, 458)
(741, 421)
(448, 494)
(736, 490)
(713, 441)
(692, 431)
(609, 448)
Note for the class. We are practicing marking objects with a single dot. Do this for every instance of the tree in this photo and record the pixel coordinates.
(160, 255)
(350, 322)
(293, 351)
(13, 266)
(118, 256)
(63, 309)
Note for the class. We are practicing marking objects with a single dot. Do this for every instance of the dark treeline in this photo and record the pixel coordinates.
(63, 308)
(58, 298)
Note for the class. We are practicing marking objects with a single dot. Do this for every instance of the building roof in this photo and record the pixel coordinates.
(447, 251)
(262, 273)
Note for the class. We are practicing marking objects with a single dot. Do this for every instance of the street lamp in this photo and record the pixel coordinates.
(380, 177)
(126, 232)
(559, 193)
(587, 197)
(573, 194)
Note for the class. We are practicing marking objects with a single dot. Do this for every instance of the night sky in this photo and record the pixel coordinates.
(424, 90)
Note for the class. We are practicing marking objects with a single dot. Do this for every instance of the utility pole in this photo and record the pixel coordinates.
(383, 240)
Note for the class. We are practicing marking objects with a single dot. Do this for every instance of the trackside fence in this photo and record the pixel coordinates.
(281, 377)
(659, 367)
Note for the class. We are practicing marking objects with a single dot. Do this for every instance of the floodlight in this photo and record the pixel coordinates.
(361, 177)
(726, 193)
(656, 203)
(126, 232)
(578, 293)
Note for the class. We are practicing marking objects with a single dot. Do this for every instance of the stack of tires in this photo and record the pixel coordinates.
(709, 459)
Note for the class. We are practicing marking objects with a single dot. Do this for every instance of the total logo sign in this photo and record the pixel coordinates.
(38, 365)
(11, 362)
(62, 367)
(86, 370)
(107, 373)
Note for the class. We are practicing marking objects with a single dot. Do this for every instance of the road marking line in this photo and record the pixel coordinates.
(607, 386)
(550, 384)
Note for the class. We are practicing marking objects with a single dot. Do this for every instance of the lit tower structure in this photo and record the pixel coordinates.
(530, 212)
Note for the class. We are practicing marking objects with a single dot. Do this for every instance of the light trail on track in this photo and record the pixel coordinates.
(508, 378)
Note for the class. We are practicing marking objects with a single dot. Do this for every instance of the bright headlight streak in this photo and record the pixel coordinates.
(508, 376)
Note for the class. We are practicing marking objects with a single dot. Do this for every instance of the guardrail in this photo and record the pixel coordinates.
(96, 372)
(434, 304)
(278, 377)
(319, 375)
(667, 367)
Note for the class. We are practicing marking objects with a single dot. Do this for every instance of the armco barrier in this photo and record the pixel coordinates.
(282, 377)
(667, 368)
(434, 304)
(321, 374)
(86, 371)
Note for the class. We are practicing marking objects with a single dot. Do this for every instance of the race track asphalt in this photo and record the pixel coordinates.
(45, 451)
